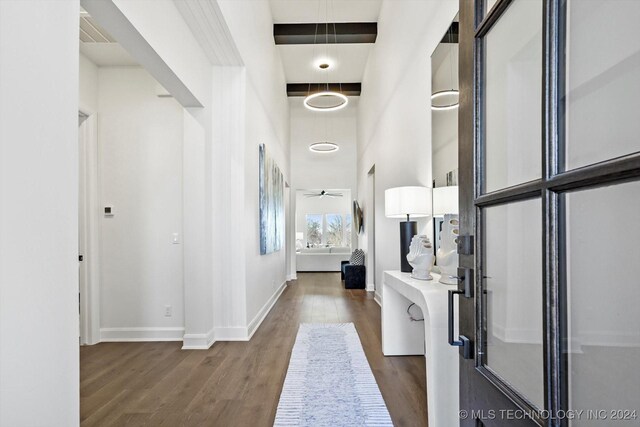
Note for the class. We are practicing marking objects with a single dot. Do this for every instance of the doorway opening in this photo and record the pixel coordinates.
(370, 230)
(323, 229)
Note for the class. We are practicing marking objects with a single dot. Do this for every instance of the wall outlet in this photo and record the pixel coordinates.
(168, 311)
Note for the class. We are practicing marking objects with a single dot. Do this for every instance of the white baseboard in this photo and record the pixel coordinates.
(377, 298)
(292, 277)
(198, 341)
(257, 321)
(231, 333)
(371, 287)
(239, 333)
(140, 334)
(516, 336)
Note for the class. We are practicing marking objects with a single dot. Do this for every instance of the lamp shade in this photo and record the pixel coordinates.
(445, 200)
(402, 201)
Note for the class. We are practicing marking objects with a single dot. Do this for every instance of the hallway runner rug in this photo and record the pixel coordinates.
(329, 381)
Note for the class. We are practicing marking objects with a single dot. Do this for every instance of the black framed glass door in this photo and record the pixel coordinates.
(549, 180)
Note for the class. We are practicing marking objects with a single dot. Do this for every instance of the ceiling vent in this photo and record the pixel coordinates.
(91, 32)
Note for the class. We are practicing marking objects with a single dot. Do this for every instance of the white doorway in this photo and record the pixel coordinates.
(88, 229)
(370, 228)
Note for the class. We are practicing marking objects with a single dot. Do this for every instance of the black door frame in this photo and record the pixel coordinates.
(480, 389)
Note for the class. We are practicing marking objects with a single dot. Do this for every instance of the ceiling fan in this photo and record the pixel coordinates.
(323, 193)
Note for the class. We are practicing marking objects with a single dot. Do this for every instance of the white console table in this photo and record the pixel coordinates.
(403, 337)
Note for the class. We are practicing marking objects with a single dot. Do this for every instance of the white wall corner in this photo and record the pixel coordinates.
(257, 321)
(198, 341)
(208, 26)
(377, 298)
(231, 333)
(240, 333)
(371, 287)
(292, 277)
(141, 334)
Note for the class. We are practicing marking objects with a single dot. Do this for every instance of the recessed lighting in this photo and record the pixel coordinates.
(323, 63)
(319, 99)
(324, 147)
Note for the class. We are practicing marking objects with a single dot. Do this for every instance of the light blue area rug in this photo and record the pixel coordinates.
(329, 381)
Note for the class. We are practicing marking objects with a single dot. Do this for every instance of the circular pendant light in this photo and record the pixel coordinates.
(445, 100)
(324, 147)
(326, 101)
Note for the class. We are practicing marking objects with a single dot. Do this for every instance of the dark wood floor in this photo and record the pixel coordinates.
(239, 383)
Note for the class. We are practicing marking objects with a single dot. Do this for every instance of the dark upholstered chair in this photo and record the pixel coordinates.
(353, 275)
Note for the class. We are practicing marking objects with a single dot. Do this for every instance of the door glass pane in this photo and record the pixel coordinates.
(603, 302)
(513, 297)
(513, 93)
(488, 5)
(603, 88)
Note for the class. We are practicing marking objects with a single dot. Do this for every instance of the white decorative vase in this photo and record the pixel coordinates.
(448, 252)
(421, 257)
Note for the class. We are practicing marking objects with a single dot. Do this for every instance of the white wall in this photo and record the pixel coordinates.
(88, 86)
(140, 150)
(265, 274)
(444, 63)
(317, 171)
(198, 291)
(394, 120)
(323, 170)
(173, 56)
(39, 364)
(259, 114)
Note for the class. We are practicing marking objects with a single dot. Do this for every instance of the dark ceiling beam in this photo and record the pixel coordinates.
(344, 32)
(304, 89)
(451, 36)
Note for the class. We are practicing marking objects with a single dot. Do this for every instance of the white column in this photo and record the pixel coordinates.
(39, 322)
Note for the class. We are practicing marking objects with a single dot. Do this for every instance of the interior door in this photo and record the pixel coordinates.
(549, 177)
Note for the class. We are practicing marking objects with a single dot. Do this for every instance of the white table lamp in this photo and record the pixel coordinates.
(445, 200)
(401, 202)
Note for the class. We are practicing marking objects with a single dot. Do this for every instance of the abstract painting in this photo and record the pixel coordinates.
(271, 204)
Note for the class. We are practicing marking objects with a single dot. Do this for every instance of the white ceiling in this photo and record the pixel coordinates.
(349, 60)
(300, 62)
(297, 11)
(107, 54)
(99, 46)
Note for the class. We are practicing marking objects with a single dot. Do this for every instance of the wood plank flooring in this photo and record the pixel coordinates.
(239, 383)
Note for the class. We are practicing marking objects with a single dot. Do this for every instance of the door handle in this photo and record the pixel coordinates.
(463, 342)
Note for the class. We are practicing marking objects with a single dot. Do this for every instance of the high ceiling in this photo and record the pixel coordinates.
(99, 46)
(347, 60)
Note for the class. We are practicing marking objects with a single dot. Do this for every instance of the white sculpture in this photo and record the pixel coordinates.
(421, 257)
(448, 252)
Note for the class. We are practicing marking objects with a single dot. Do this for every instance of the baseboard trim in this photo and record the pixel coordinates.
(240, 333)
(231, 333)
(198, 341)
(141, 334)
(262, 314)
(376, 298)
(292, 277)
(371, 287)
